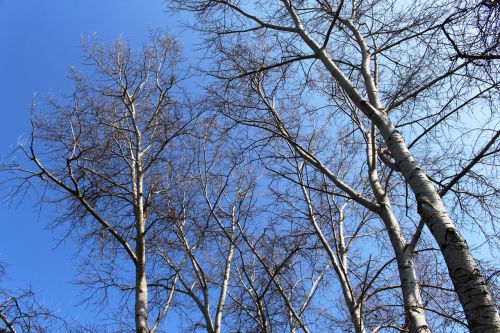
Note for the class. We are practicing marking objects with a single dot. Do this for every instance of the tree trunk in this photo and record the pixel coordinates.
(225, 283)
(356, 316)
(141, 286)
(409, 283)
(141, 303)
(480, 310)
(414, 310)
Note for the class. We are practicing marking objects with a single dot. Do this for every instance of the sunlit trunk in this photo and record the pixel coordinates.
(480, 310)
(414, 310)
(141, 286)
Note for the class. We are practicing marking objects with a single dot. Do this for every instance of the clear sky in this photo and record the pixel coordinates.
(39, 41)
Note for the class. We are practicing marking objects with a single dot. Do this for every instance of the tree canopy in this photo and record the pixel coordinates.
(328, 178)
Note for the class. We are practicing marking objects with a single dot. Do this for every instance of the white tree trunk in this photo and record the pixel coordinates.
(141, 303)
(480, 310)
(404, 254)
(141, 286)
(225, 283)
(409, 283)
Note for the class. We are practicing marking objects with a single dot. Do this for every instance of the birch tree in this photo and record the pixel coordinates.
(103, 154)
(389, 63)
(285, 260)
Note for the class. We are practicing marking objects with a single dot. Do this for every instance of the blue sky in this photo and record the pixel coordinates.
(39, 41)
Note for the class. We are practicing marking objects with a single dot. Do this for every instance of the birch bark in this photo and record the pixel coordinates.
(141, 286)
(479, 307)
(480, 310)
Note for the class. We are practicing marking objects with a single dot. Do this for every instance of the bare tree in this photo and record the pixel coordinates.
(301, 219)
(104, 152)
(389, 65)
(279, 274)
(303, 144)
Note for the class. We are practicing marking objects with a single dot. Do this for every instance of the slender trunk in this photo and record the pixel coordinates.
(225, 283)
(141, 286)
(404, 254)
(355, 304)
(409, 283)
(262, 316)
(141, 303)
(339, 266)
(356, 316)
(202, 306)
(407, 276)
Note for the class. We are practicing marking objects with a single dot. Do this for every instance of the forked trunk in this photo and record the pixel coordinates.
(480, 310)
(414, 311)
